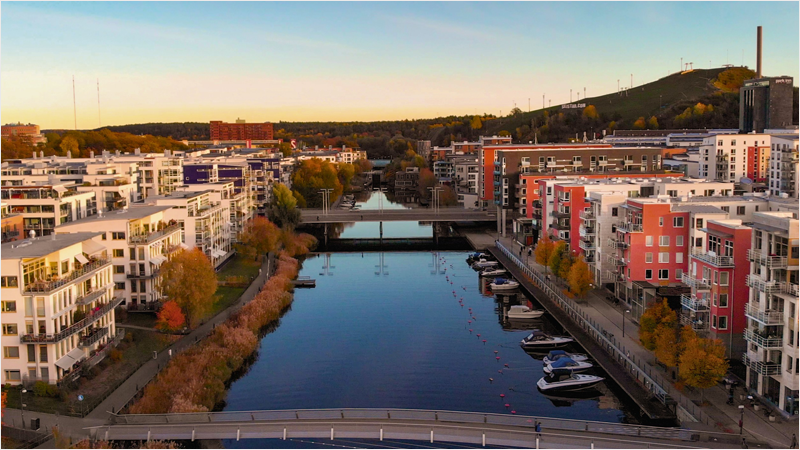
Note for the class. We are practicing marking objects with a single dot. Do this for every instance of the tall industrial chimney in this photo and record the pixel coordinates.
(758, 54)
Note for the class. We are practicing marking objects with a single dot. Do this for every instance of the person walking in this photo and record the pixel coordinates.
(794, 441)
(538, 429)
(744, 442)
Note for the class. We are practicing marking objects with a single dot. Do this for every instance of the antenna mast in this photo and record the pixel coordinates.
(98, 103)
(74, 108)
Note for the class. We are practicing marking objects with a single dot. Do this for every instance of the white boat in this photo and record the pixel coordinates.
(503, 284)
(558, 354)
(568, 364)
(484, 263)
(494, 272)
(523, 312)
(541, 340)
(564, 380)
(476, 256)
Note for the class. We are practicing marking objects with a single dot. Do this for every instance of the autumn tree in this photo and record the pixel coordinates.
(666, 345)
(567, 260)
(580, 278)
(503, 133)
(557, 258)
(69, 145)
(170, 317)
(363, 165)
(188, 278)
(313, 175)
(702, 363)
(286, 149)
(283, 210)
(656, 315)
(590, 112)
(426, 180)
(476, 123)
(652, 123)
(639, 124)
(448, 197)
(260, 236)
(544, 250)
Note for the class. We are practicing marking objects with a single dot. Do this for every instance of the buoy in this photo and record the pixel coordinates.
(484, 341)
(505, 365)
(479, 335)
(470, 330)
(495, 352)
(513, 412)
(507, 405)
(469, 321)
(502, 395)
(500, 372)
(497, 358)
(491, 379)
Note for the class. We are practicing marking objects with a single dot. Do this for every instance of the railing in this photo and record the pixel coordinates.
(92, 295)
(617, 243)
(587, 215)
(695, 283)
(762, 341)
(617, 260)
(789, 288)
(94, 337)
(697, 325)
(755, 282)
(86, 269)
(719, 261)
(559, 226)
(153, 273)
(774, 262)
(562, 214)
(693, 303)
(74, 328)
(586, 231)
(154, 235)
(761, 367)
(586, 244)
(629, 227)
(766, 317)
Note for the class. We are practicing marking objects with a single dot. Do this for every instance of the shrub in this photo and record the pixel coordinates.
(43, 389)
(115, 355)
(128, 337)
(120, 314)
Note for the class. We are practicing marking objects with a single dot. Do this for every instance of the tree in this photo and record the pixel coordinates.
(448, 197)
(313, 175)
(188, 278)
(656, 315)
(69, 144)
(476, 123)
(516, 111)
(702, 363)
(652, 123)
(639, 124)
(363, 165)
(260, 236)
(557, 258)
(426, 180)
(544, 250)
(666, 345)
(346, 172)
(503, 133)
(170, 317)
(580, 278)
(567, 260)
(590, 112)
(283, 210)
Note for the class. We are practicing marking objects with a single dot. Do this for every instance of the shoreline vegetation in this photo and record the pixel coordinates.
(197, 379)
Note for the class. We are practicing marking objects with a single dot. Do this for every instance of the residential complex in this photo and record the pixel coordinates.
(29, 131)
(224, 131)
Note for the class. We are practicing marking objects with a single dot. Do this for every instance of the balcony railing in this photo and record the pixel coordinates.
(562, 214)
(766, 287)
(766, 317)
(559, 226)
(586, 231)
(695, 283)
(74, 328)
(154, 235)
(719, 261)
(761, 367)
(153, 273)
(773, 262)
(587, 215)
(768, 342)
(697, 325)
(86, 269)
(93, 295)
(617, 260)
(789, 288)
(617, 243)
(629, 227)
(587, 244)
(95, 336)
(694, 303)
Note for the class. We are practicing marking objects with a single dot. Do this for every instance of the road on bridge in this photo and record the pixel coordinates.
(311, 216)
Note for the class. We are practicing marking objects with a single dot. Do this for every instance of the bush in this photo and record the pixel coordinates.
(43, 389)
(128, 337)
(120, 314)
(78, 315)
(115, 355)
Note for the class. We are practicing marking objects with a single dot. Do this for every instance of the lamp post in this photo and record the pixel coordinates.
(326, 195)
(623, 321)
(22, 403)
(741, 418)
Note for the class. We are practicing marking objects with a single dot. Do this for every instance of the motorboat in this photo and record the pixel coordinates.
(564, 380)
(568, 363)
(555, 355)
(484, 264)
(503, 284)
(477, 256)
(524, 312)
(494, 272)
(540, 340)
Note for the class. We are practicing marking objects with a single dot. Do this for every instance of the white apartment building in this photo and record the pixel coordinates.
(773, 330)
(139, 239)
(349, 155)
(723, 157)
(784, 166)
(225, 193)
(44, 207)
(159, 173)
(57, 306)
(466, 174)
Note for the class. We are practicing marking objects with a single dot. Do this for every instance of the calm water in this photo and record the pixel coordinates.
(384, 330)
(375, 200)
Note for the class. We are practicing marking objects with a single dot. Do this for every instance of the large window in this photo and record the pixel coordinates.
(9, 306)
(11, 352)
(723, 278)
(677, 222)
(723, 300)
(663, 274)
(12, 375)
(714, 244)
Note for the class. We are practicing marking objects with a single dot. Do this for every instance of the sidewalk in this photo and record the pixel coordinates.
(726, 416)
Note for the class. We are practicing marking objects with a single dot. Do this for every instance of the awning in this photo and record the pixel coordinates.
(217, 253)
(69, 360)
(81, 259)
(91, 247)
(158, 259)
(59, 189)
(183, 246)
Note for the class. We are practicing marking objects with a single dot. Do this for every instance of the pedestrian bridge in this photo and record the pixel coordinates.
(507, 430)
(311, 216)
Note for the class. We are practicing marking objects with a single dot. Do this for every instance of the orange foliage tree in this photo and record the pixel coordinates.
(260, 236)
(170, 317)
(189, 279)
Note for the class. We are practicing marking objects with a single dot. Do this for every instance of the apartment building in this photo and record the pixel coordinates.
(159, 173)
(12, 224)
(226, 194)
(444, 171)
(725, 157)
(466, 173)
(43, 207)
(773, 330)
(29, 131)
(138, 239)
(57, 306)
(758, 163)
(240, 130)
(784, 166)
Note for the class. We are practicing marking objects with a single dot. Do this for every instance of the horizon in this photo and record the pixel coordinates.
(357, 62)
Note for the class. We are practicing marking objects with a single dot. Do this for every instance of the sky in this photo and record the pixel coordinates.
(358, 61)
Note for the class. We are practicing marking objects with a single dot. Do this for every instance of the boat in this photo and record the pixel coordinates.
(494, 272)
(541, 340)
(524, 312)
(476, 256)
(564, 380)
(503, 284)
(558, 354)
(568, 364)
(484, 263)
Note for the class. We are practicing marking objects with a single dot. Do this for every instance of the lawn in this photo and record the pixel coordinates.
(226, 295)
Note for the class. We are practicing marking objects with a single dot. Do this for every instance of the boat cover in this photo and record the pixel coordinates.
(555, 354)
(562, 362)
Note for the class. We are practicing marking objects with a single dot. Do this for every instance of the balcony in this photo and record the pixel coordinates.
(537, 203)
(144, 276)
(587, 244)
(74, 328)
(761, 367)
(766, 287)
(44, 287)
(93, 337)
(789, 288)
(772, 262)
(766, 342)
(617, 260)
(629, 227)
(497, 172)
(697, 325)
(767, 317)
(562, 214)
(93, 295)
(694, 303)
(718, 261)
(559, 226)
(586, 231)
(154, 235)
(617, 243)
(587, 215)
(695, 283)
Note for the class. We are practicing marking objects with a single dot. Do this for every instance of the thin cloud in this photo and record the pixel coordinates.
(308, 43)
(445, 28)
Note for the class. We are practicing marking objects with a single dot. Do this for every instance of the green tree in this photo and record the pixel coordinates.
(557, 258)
(702, 363)
(189, 280)
(283, 210)
(286, 149)
(656, 315)
(544, 250)
(313, 175)
(580, 278)
(260, 236)
(69, 144)
(639, 124)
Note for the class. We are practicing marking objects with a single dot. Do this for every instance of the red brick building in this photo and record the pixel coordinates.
(18, 129)
(240, 131)
(757, 167)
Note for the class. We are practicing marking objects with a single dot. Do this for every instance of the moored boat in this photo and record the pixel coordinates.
(564, 380)
(558, 354)
(503, 284)
(494, 272)
(568, 364)
(541, 340)
(484, 263)
(524, 312)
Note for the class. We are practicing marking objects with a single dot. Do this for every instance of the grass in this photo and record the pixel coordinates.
(147, 320)
(226, 295)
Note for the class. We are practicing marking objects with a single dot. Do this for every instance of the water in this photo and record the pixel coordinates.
(384, 330)
(375, 200)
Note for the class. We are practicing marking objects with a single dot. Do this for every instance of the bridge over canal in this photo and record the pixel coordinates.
(313, 216)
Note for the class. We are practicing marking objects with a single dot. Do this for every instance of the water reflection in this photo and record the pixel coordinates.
(375, 200)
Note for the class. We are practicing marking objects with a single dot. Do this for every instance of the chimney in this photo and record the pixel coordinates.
(117, 153)
(41, 154)
(758, 54)
(137, 151)
(91, 153)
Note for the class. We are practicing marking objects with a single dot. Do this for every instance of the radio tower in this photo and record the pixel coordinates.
(98, 103)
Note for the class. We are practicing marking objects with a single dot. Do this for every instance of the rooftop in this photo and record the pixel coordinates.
(43, 246)
(132, 213)
(705, 209)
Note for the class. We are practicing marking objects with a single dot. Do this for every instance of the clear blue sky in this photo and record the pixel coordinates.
(187, 61)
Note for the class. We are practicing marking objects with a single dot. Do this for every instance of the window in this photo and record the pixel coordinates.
(614, 212)
(679, 257)
(119, 269)
(649, 241)
(698, 242)
(679, 241)
(45, 373)
(31, 353)
(648, 274)
(42, 353)
(663, 257)
(723, 300)
(663, 241)
(8, 282)
(661, 221)
(104, 236)
(11, 352)
(714, 320)
(727, 209)
(119, 285)
(740, 210)
(10, 329)
(723, 278)
(118, 235)
(699, 223)
(663, 274)
(9, 306)
(133, 254)
(678, 274)
(723, 323)
(12, 375)
(677, 222)
(118, 253)
(648, 257)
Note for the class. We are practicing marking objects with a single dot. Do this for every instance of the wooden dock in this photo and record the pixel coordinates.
(304, 282)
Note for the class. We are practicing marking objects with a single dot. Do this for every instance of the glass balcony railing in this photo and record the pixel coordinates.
(154, 235)
(697, 325)
(86, 269)
(761, 367)
(694, 303)
(76, 327)
(766, 317)
(629, 227)
(695, 283)
(767, 342)
(772, 262)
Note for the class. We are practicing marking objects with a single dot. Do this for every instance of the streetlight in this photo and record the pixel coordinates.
(627, 311)
(326, 195)
(741, 418)
(23, 406)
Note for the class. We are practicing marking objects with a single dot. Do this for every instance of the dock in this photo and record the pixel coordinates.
(304, 282)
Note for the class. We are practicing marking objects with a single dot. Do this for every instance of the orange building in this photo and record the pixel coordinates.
(18, 129)
(12, 225)
(757, 167)
(240, 131)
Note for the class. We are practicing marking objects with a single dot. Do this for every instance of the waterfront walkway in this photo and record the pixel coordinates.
(719, 415)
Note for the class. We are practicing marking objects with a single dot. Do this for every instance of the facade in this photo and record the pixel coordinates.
(784, 166)
(225, 193)
(765, 103)
(725, 157)
(466, 174)
(238, 131)
(444, 171)
(57, 306)
(28, 131)
(45, 207)
(773, 331)
(757, 168)
(406, 181)
(12, 225)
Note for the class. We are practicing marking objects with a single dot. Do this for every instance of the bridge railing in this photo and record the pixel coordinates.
(644, 374)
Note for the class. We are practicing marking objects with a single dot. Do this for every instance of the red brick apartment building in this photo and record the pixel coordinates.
(757, 167)
(240, 131)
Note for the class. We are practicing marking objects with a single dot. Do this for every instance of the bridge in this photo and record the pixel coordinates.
(505, 430)
(452, 214)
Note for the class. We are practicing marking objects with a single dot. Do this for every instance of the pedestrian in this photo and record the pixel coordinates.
(794, 441)
(744, 442)
(538, 429)
(529, 251)
(520, 251)
(741, 426)
(730, 399)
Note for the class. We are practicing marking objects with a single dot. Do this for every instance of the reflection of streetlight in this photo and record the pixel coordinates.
(623, 321)
(21, 401)
(741, 416)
